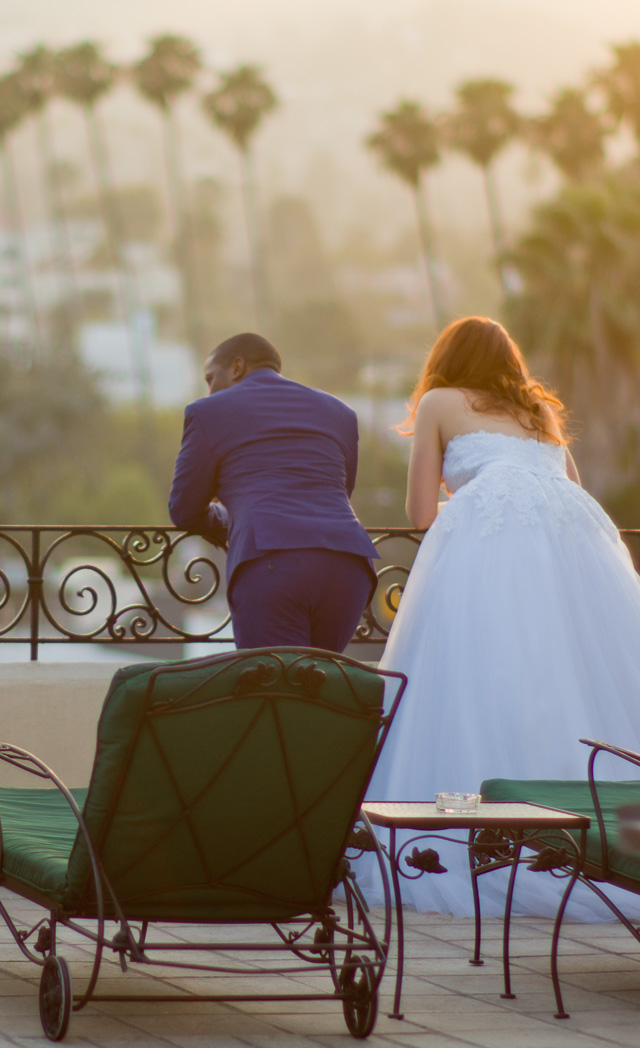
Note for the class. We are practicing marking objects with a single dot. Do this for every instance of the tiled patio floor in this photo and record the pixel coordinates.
(446, 1001)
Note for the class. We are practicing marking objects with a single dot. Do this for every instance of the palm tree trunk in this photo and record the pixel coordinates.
(610, 427)
(128, 292)
(602, 351)
(182, 229)
(495, 222)
(426, 243)
(14, 210)
(60, 233)
(258, 281)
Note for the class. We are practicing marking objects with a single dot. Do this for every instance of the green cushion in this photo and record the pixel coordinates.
(38, 831)
(575, 796)
(205, 804)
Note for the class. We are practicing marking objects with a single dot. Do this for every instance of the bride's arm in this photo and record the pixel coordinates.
(425, 465)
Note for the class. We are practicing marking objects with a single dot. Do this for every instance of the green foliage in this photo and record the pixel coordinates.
(44, 412)
(69, 459)
(73, 460)
(623, 505)
(240, 103)
(482, 125)
(13, 102)
(299, 268)
(381, 487)
(203, 268)
(620, 84)
(83, 74)
(580, 259)
(129, 495)
(320, 344)
(36, 73)
(167, 71)
(571, 135)
(136, 454)
(484, 122)
(578, 314)
(237, 107)
(316, 330)
(407, 141)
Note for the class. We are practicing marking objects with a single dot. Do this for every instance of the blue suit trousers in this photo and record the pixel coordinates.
(302, 597)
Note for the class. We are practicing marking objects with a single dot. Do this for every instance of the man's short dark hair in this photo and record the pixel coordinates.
(255, 350)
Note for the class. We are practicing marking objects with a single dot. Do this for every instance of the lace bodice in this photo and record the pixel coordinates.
(496, 470)
(469, 453)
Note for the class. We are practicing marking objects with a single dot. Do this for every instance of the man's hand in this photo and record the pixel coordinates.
(217, 525)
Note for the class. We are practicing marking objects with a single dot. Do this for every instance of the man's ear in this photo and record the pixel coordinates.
(238, 369)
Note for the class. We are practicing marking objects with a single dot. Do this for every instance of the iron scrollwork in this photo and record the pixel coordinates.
(109, 585)
(150, 584)
(142, 585)
(397, 548)
(489, 847)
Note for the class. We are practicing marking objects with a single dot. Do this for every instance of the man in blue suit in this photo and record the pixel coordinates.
(267, 466)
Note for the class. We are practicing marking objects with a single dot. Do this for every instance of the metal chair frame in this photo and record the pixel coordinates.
(349, 950)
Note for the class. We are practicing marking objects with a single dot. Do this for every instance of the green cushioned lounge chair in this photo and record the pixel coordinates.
(612, 853)
(223, 791)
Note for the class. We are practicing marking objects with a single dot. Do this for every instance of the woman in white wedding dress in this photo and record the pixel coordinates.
(519, 627)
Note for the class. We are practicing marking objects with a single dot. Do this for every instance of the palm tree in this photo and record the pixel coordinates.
(578, 311)
(483, 124)
(571, 134)
(408, 143)
(165, 74)
(238, 107)
(85, 76)
(620, 85)
(13, 108)
(37, 83)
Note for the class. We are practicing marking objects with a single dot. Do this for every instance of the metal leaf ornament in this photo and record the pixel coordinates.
(428, 861)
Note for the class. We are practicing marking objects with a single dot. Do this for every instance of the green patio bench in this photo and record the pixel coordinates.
(223, 791)
(612, 852)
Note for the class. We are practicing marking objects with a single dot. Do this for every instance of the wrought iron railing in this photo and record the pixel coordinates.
(155, 587)
(146, 586)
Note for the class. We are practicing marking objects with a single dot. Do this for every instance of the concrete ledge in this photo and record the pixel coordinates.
(52, 710)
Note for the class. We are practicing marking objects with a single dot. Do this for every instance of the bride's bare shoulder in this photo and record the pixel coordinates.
(446, 398)
(443, 403)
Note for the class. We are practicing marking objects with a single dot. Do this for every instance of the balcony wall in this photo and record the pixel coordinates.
(127, 594)
(52, 710)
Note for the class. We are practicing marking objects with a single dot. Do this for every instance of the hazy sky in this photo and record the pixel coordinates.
(124, 23)
(335, 66)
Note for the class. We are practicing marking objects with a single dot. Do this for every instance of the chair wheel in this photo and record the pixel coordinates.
(361, 1005)
(55, 997)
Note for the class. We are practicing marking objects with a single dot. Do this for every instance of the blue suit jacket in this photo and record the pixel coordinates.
(282, 460)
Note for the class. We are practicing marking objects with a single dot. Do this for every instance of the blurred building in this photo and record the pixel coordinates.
(131, 362)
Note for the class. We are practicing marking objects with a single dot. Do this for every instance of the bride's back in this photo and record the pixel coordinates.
(457, 416)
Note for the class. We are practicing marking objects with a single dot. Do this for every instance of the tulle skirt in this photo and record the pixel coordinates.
(516, 644)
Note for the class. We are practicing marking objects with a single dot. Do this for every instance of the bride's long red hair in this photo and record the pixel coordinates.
(477, 354)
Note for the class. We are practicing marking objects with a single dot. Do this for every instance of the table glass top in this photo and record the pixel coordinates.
(419, 814)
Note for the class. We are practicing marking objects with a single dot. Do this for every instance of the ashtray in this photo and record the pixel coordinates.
(457, 802)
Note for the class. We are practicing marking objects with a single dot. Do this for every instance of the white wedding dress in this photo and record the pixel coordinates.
(519, 632)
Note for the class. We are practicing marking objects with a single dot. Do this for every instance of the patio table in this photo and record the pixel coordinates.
(497, 835)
